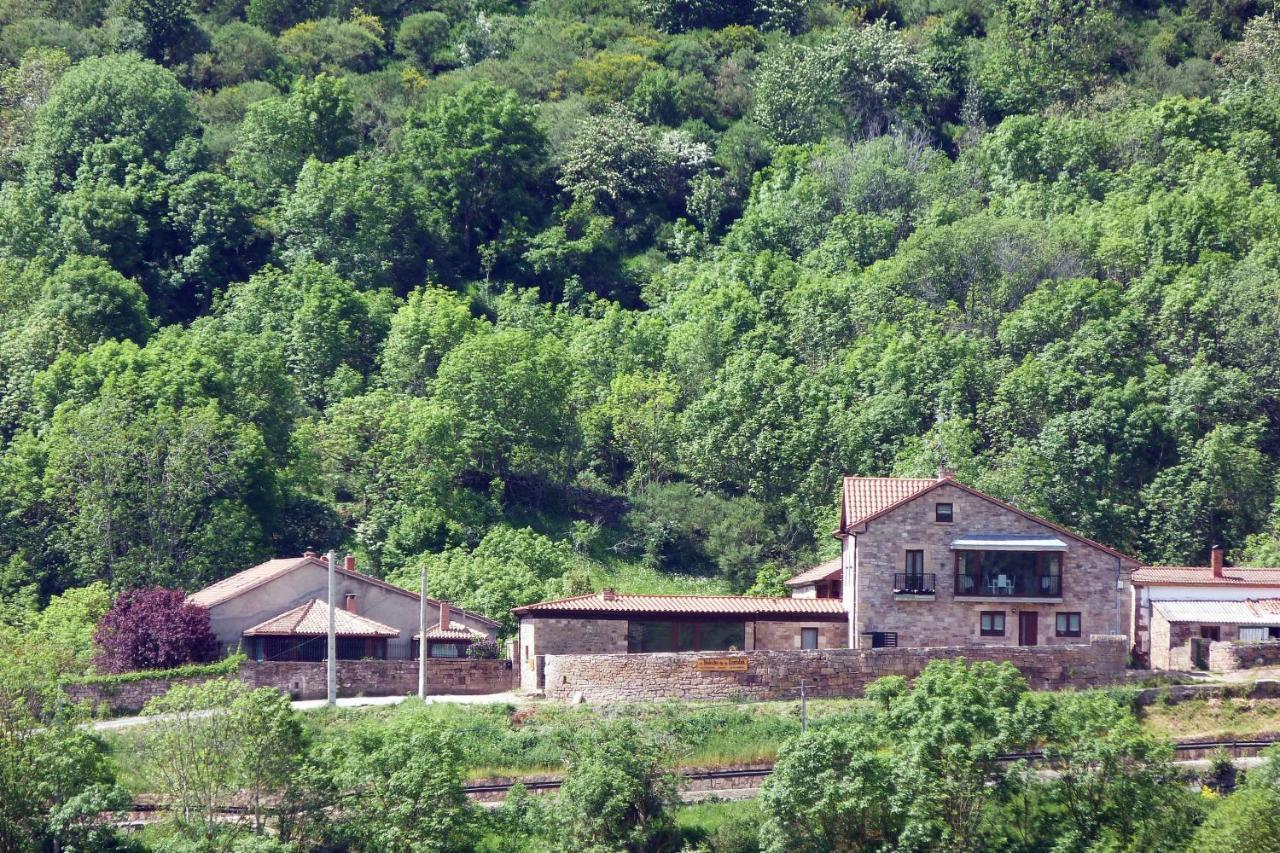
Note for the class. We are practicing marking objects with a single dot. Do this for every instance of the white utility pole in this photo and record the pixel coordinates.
(422, 635)
(332, 656)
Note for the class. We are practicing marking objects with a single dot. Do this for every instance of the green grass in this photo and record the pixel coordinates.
(720, 824)
(1212, 718)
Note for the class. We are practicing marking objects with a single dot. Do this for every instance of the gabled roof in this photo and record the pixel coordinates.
(455, 631)
(704, 605)
(868, 498)
(255, 576)
(1203, 576)
(1264, 611)
(312, 620)
(823, 571)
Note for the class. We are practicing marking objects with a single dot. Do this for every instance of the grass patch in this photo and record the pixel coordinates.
(720, 825)
(227, 666)
(1212, 718)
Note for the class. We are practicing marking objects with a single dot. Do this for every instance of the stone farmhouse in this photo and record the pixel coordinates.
(933, 562)
(924, 563)
(1179, 610)
(278, 611)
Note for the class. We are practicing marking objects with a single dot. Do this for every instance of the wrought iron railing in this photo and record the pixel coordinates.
(915, 583)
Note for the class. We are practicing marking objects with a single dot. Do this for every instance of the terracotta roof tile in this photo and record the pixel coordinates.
(821, 572)
(312, 620)
(868, 496)
(693, 604)
(455, 631)
(1203, 576)
(255, 576)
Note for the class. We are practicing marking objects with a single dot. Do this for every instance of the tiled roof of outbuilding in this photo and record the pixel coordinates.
(706, 605)
(820, 572)
(1264, 611)
(312, 620)
(1203, 576)
(455, 631)
(865, 497)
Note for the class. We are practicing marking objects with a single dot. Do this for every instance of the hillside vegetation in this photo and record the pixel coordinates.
(580, 291)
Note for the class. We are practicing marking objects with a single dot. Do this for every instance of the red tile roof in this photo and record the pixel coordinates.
(455, 631)
(821, 572)
(707, 605)
(255, 576)
(1203, 576)
(312, 620)
(865, 497)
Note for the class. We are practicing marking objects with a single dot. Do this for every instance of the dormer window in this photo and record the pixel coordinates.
(942, 513)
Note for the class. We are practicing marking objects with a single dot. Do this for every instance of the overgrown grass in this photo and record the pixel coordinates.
(1212, 718)
(720, 824)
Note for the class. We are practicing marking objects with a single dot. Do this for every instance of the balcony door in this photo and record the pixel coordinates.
(1028, 629)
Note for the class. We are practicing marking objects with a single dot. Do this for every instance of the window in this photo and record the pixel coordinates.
(1068, 624)
(915, 563)
(1211, 632)
(942, 513)
(1252, 635)
(991, 623)
(990, 574)
(685, 636)
(808, 638)
(444, 650)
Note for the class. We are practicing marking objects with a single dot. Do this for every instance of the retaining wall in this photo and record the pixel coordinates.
(1230, 656)
(308, 681)
(825, 672)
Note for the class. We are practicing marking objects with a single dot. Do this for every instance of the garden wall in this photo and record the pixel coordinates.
(825, 672)
(1230, 656)
(308, 681)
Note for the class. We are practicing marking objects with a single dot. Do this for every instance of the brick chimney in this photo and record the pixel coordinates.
(1215, 560)
(349, 563)
(351, 603)
(945, 473)
(609, 594)
(446, 615)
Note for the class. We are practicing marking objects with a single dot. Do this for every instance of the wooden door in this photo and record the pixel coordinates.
(1028, 629)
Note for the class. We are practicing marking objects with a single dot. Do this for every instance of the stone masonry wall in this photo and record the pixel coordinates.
(551, 636)
(825, 672)
(1088, 578)
(308, 681)
(1227, 656)
(1171, 643)
(784, 636)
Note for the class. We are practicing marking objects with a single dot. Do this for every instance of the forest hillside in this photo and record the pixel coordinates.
(568, 292)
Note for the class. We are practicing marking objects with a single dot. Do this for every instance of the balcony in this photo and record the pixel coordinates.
(914, 583)
(1008, 574)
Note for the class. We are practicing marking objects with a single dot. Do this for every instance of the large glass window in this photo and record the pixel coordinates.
(655, 636)
(1029, 574)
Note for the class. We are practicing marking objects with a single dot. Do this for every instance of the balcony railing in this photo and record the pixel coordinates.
(914, 583)
(1016, 584)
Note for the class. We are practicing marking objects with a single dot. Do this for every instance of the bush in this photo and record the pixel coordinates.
(153, 628)
(483, 650)
(422, 38)
(1247, 820)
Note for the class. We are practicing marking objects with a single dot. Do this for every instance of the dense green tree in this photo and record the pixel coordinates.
(430, 323)
(162, 30)
(1248, 818)
(125, 100)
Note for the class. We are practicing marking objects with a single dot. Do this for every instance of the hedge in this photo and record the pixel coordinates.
(227, 666)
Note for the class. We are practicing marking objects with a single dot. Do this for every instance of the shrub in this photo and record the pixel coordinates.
(483, 650)
(153, 628)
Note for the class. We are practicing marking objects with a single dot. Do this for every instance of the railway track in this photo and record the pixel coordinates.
(709, 781)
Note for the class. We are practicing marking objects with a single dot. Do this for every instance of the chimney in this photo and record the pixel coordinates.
(609, 594)
(945, 473)
(1215, 560)
(446, 615)
(351, 603)
(349, 563)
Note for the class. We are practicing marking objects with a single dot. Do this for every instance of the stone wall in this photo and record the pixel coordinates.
(1171, 643)
(786, 636)
(825, 672)
(1088, 578)
(305, 680)
(1228, 656)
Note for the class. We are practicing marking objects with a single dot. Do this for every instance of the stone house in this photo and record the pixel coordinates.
(607, 622)
(1178, 610)
(278, 610)
(933, 562)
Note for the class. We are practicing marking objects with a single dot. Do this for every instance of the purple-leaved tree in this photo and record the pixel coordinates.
(153, 628)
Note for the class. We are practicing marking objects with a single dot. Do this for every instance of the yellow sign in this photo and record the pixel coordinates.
(721, 665)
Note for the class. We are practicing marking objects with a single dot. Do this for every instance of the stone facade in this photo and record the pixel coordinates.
(308, 681)
(1170, 642)
(1094, 583)
(825, 672)
(1228, 656)
(542, 636)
